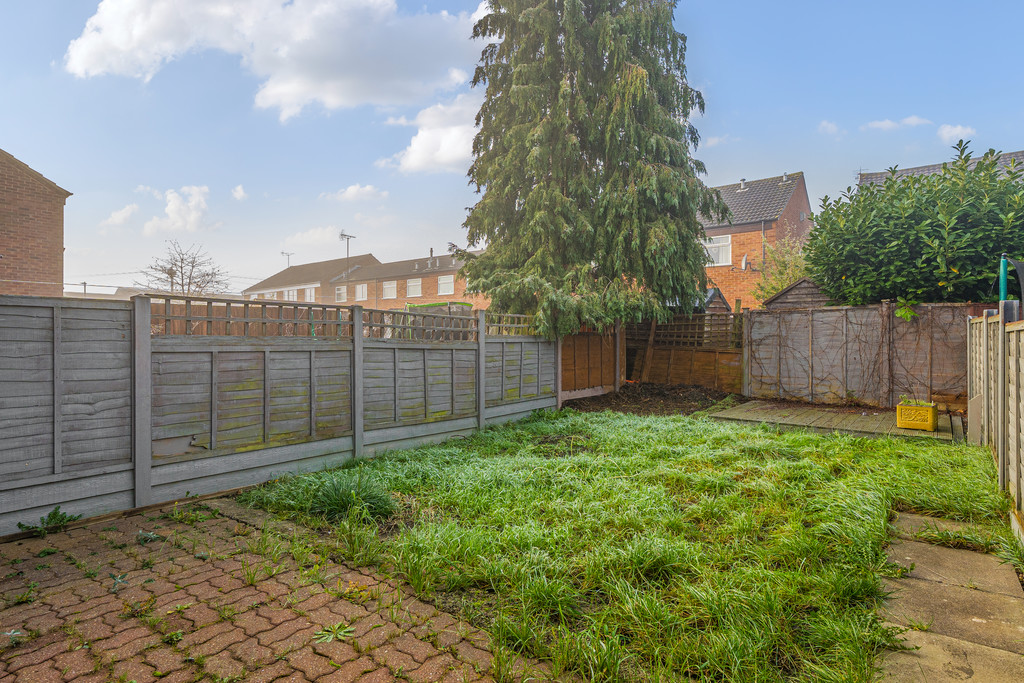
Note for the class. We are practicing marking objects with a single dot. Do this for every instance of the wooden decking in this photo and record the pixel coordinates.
(870, 422)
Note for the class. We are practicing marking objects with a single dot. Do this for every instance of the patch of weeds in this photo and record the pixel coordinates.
(225, 612)
(55, 521)
(190, 514)
(145, 537)
(138, 608)
(14, 637)
(329, 634)
(29, 595)
(109, 528)
(46, 552)
(180, 609)
(42, 566)
(147, 563)
(975, 539)
(173, 637)
(250, 573)
(120, 581)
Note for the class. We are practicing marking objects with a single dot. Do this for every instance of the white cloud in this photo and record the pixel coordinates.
(185, 211)
(354, 193)
(121, 216)
(314, 237)
(443, 140)
(239, 193)
(337, 54)
(828, 128)
(911, 121)
(886, 124)
(146, 189)
(915, 121)
(951, 134)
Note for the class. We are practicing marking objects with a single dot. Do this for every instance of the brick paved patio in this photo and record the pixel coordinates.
(176, 597)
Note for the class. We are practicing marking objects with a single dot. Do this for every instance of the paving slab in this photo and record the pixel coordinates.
(977, 616)
(941, 659)
(909, 524)
(964, 568)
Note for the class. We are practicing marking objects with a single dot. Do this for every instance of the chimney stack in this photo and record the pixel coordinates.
(743, 184)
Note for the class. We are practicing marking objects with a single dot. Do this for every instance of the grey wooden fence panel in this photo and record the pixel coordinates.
(220, 411)
(865, 355)
(795, 366)
(828, 334)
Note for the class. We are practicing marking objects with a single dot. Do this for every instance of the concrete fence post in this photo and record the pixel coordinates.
(142, 399)
(481, 370)
(357, 382)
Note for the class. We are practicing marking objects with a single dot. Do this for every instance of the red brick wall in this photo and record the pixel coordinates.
(734, 282)
(31, 233)
(789, 220)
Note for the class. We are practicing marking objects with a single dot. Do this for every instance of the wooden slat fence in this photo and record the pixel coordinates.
(865, 354)
(995, 353)
(701, 350)
(109, 405)
(593, 363)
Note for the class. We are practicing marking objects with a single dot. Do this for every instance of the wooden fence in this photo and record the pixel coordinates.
(702, 350)
(995, 352)
(111, 405)
(592, 363)
(865, 354)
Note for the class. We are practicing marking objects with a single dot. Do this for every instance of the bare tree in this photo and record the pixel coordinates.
(188, 272)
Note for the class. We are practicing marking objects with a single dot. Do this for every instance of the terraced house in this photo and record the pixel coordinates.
(391, 286)
(762, 212)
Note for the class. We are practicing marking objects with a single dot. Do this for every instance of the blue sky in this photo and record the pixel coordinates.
(253, 127)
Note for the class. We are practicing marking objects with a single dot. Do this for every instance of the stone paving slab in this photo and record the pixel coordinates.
(214, 592)
(956, 567)
(990, 619)
(941, 659)
(908, 524)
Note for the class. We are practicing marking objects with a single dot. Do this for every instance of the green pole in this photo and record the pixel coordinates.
(1003, 265)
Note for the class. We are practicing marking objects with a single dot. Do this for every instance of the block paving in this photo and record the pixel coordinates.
(210, 592)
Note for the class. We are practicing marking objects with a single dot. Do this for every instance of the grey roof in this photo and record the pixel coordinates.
(308, 273)
(880, 177)
(417, 267)
(753, 201)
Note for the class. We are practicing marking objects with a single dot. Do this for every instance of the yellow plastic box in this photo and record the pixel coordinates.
(924, 417)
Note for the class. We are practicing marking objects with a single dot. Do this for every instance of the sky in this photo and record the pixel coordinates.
(256, 127)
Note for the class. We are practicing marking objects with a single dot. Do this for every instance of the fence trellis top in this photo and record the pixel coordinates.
(213, 316)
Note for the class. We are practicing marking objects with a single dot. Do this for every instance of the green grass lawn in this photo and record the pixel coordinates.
(618, 547)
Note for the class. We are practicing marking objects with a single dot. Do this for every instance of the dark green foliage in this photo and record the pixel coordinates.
(590, 197)
(920, 238)
(53, 522)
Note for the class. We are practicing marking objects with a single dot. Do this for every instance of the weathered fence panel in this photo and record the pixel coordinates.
(865, 354)
(109, 405)
(995, 353)
(592, 363)
(701, 349)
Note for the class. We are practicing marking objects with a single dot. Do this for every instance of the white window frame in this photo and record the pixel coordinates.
(414, 287)
(291, 295)
(341, 294)
(719, 250)
(310, 293)
(270, 295)
(448, 286)
(389, 289)
(361, 292)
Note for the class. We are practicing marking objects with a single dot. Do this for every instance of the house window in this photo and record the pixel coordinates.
(414, 287)
(270, 295)
(390, 290)
(445, 284)
(719, 250)
(291, 295)
(310, 293)
(341, 294)
(360, 292)
(253, 297)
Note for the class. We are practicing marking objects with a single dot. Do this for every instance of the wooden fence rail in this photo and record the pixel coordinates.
(109, 405)
(995, 352)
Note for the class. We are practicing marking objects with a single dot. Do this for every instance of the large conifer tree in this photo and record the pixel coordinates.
(590, 196)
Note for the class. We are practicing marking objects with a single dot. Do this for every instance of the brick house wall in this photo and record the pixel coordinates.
(31, 231)
(737, 283)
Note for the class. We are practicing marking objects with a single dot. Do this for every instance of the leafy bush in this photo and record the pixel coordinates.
(783, 265)
(53, 522)
(924, 238)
